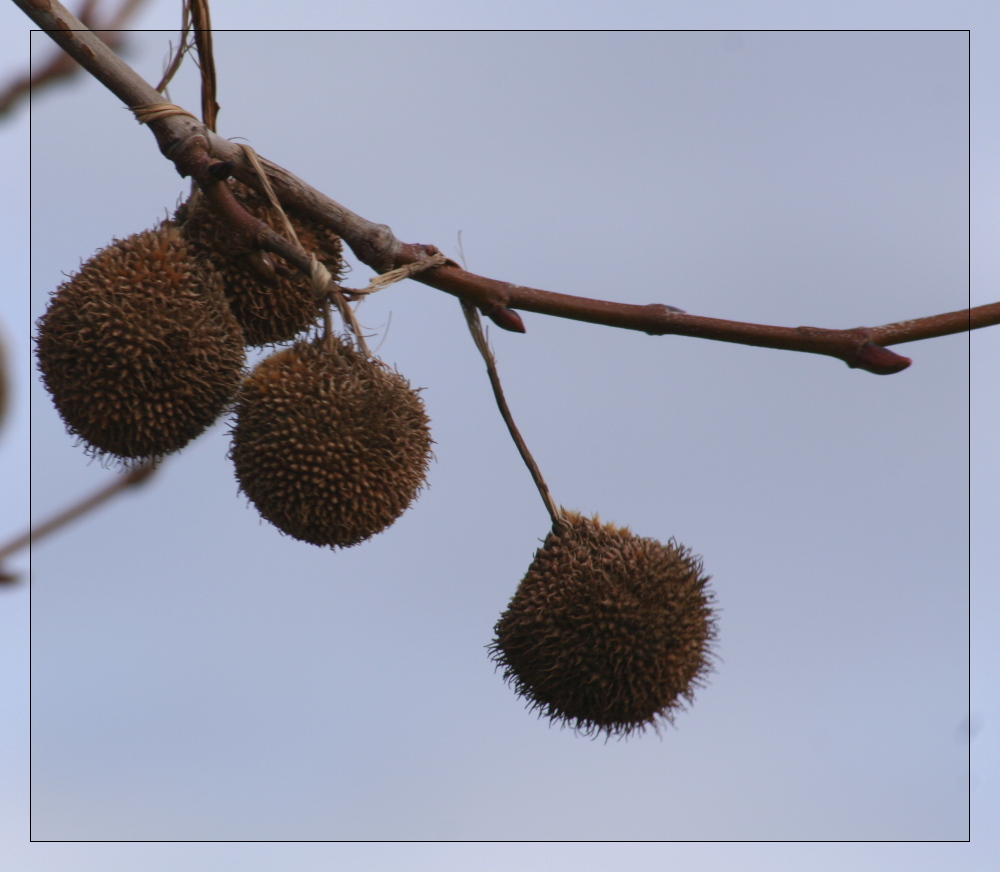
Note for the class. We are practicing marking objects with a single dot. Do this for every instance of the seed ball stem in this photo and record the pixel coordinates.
(329, 338)
(607, 632)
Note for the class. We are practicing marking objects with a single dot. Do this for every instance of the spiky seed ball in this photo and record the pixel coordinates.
(271, 305)
(330, 446)
(139, 349)
(608, 632)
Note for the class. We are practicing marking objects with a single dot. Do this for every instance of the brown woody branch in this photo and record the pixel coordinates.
(60, 65)
(129, 478)
(200, 153)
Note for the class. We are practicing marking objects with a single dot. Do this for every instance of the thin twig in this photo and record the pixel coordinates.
(202, 25)
(124, 480)
(183, 47)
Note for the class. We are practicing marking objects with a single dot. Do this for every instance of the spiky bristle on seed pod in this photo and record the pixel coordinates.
(330, 446)
(608, 632)
(270, 298)
(139, 349)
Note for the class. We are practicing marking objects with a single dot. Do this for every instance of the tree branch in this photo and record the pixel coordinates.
(128, 478)
(200, 153)
(60, 66)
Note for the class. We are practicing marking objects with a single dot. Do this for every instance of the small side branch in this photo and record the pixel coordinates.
(125, 480)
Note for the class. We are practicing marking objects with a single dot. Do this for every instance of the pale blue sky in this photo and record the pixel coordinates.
(198, 676)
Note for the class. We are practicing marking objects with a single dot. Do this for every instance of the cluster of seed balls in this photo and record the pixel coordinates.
(143, 349)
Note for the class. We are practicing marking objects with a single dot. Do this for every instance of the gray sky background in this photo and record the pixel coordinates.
(197, 676)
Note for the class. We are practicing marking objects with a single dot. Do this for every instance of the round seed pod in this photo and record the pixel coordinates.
(608, 632)
(330, 446)
(270, 298)
(139, 349)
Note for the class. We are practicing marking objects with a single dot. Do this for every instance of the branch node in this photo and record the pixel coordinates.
(181, 150)
(221, 169)
(661, 310)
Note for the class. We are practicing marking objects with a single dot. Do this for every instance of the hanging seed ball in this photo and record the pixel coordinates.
(330, 446)
(270, 298)
(608, 632)
(139, 349)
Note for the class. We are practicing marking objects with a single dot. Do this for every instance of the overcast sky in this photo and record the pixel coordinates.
(196, 676)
